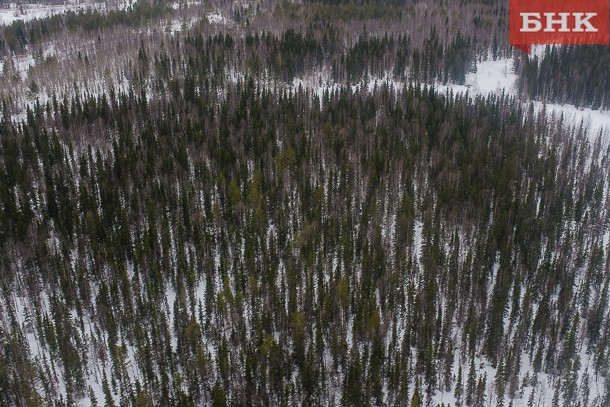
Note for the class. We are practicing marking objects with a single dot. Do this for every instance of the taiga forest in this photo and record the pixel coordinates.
(300, 203)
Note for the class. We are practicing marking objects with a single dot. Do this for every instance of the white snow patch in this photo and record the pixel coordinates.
(493, 77)
(216, 18)
(27, 12)
(23, 64)
(595, 121)
(179, 24)
(418, 240)
(490, 77)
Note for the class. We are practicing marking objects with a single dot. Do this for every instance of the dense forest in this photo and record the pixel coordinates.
(569, 74)
(194, 229)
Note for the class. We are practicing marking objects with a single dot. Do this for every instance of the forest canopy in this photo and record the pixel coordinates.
(219, 211)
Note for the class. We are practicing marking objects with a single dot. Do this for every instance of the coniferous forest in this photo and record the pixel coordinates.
(291, 206)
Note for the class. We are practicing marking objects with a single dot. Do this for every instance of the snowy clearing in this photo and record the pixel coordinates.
(498, 76)
(27, 12)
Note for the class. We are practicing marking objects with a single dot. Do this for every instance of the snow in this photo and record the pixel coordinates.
(540, 384)
(49, 51)
(418, 240)
(494, 77)
(490, 77)
(183, 4)
(23, 64)
(176, 25)
(179, 24)
(594, 120)
(538, 51)
(216, 18)
(27, 12)
(97, 391)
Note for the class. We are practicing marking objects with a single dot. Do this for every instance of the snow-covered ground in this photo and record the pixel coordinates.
(594, 120)
(26, 12)
(498, 76)
(491, 77)
(216, 18)
(180, 24)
